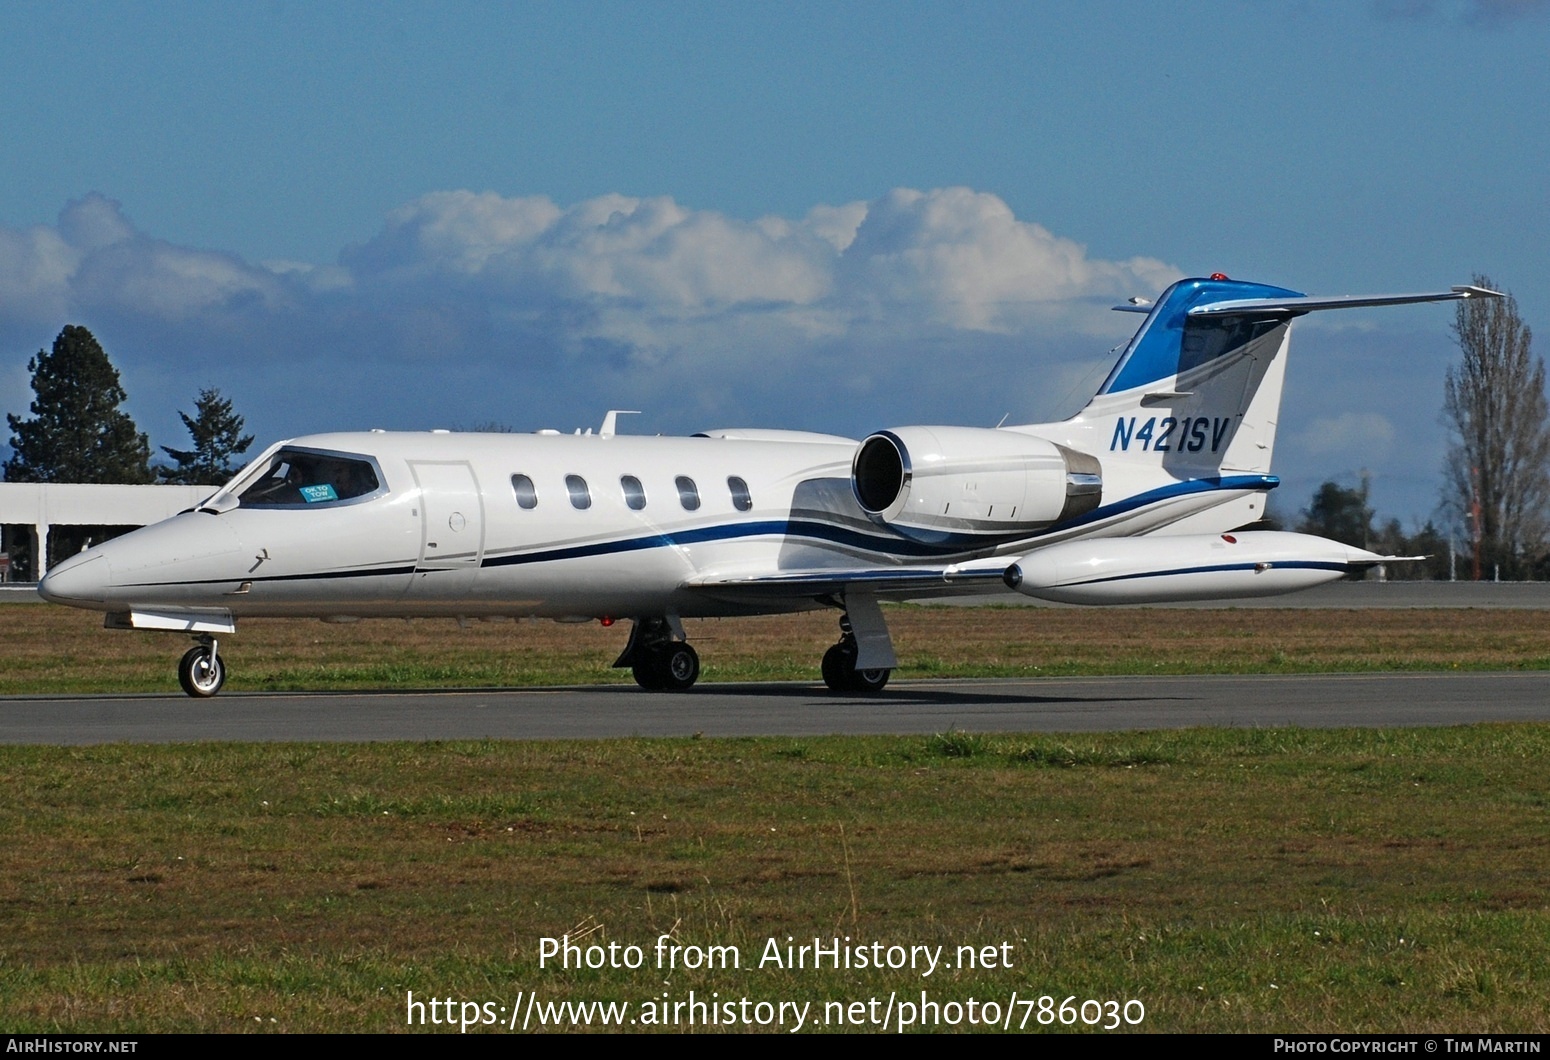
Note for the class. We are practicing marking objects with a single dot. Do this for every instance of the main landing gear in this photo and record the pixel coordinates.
(839, 666)
(860, 664)
(200, 671)
(659, 657)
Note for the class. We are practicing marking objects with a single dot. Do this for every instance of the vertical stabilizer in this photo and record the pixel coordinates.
(1197, 394)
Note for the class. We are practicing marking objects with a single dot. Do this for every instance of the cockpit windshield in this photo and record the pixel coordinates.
(299, 478)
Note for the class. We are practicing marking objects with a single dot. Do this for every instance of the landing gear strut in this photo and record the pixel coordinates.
(659, 657)
(200, 671)
(839, 666)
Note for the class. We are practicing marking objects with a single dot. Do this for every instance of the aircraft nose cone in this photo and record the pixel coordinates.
(78, 580)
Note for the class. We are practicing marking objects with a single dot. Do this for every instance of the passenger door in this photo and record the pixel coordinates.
(451, 528)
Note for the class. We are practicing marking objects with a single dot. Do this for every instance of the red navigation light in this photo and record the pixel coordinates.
(1218, 276)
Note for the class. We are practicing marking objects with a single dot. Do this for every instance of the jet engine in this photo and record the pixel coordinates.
(931, 483)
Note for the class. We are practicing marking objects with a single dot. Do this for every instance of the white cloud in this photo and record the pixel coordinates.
(952, 257)
(1351, 436)
(473, 306)
(95, 259)
(35, 269)
(964, 254)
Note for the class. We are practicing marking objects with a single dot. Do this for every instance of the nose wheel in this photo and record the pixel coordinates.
(200, 671)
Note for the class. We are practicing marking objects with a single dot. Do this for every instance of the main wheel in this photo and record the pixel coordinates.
(839, 662)
(868, 681)
(841, 675)
(201, 672)
(647, 674)
(678, 666)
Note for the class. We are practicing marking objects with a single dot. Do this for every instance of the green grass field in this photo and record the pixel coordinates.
(58, 650)
(1238, 880)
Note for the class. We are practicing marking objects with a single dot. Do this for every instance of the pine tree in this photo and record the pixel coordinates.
(217, 434)
(78, 433)
(1339, 514)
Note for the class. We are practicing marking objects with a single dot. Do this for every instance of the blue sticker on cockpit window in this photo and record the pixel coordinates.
(315, 494)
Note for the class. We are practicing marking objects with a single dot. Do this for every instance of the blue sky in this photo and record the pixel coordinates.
(829, 216)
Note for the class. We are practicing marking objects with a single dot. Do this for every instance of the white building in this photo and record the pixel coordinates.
(40, 506)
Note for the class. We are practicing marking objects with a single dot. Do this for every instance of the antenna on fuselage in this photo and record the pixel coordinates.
(611, 419)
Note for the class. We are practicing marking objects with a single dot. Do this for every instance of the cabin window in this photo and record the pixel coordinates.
(688, 493)
(301, 478)
(634, 492)
(522, 486)
(580, 496)
(740, 497)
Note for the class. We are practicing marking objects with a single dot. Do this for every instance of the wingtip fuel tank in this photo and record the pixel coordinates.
(1155, 569)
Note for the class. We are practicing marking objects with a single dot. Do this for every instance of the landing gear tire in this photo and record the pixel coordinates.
(646, 674)
(201, 672)
(678, 667)
(868, 682)
(841, 675)
(838, 664)
(669, 668)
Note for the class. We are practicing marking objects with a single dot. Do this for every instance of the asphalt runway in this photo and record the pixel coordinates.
(1094, 704)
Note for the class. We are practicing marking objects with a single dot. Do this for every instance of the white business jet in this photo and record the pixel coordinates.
(1135, 499)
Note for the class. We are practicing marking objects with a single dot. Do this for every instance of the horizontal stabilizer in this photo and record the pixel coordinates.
(1306, 304)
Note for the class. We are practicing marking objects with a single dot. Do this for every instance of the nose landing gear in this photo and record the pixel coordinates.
(200, 671)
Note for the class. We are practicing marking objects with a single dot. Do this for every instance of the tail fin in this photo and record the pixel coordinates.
(1198, 389)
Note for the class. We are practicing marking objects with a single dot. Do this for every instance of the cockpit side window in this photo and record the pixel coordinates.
(301, 478)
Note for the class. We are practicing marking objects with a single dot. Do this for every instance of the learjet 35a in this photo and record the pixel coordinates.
(1135, 499)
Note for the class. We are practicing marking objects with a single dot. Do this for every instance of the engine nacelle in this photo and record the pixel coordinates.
(930, 483)
(1149, 570)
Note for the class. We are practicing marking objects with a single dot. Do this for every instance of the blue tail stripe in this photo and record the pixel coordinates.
(1154, 353)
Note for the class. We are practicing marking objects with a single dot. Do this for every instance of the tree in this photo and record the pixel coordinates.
(78, 433)
(217, 434)
(1497, 477)
(1339, 514)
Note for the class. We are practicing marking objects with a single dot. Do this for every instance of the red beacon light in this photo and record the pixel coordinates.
(1219, 276)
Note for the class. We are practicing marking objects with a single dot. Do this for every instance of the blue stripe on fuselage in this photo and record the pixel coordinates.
(885, 546)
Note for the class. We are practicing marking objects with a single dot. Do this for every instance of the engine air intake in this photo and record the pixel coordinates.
(936, 483)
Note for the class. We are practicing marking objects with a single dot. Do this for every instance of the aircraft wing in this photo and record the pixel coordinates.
(974, 576)
(1304, 304)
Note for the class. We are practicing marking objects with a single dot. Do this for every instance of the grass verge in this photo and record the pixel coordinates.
(58, 650)
(1229, 880)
